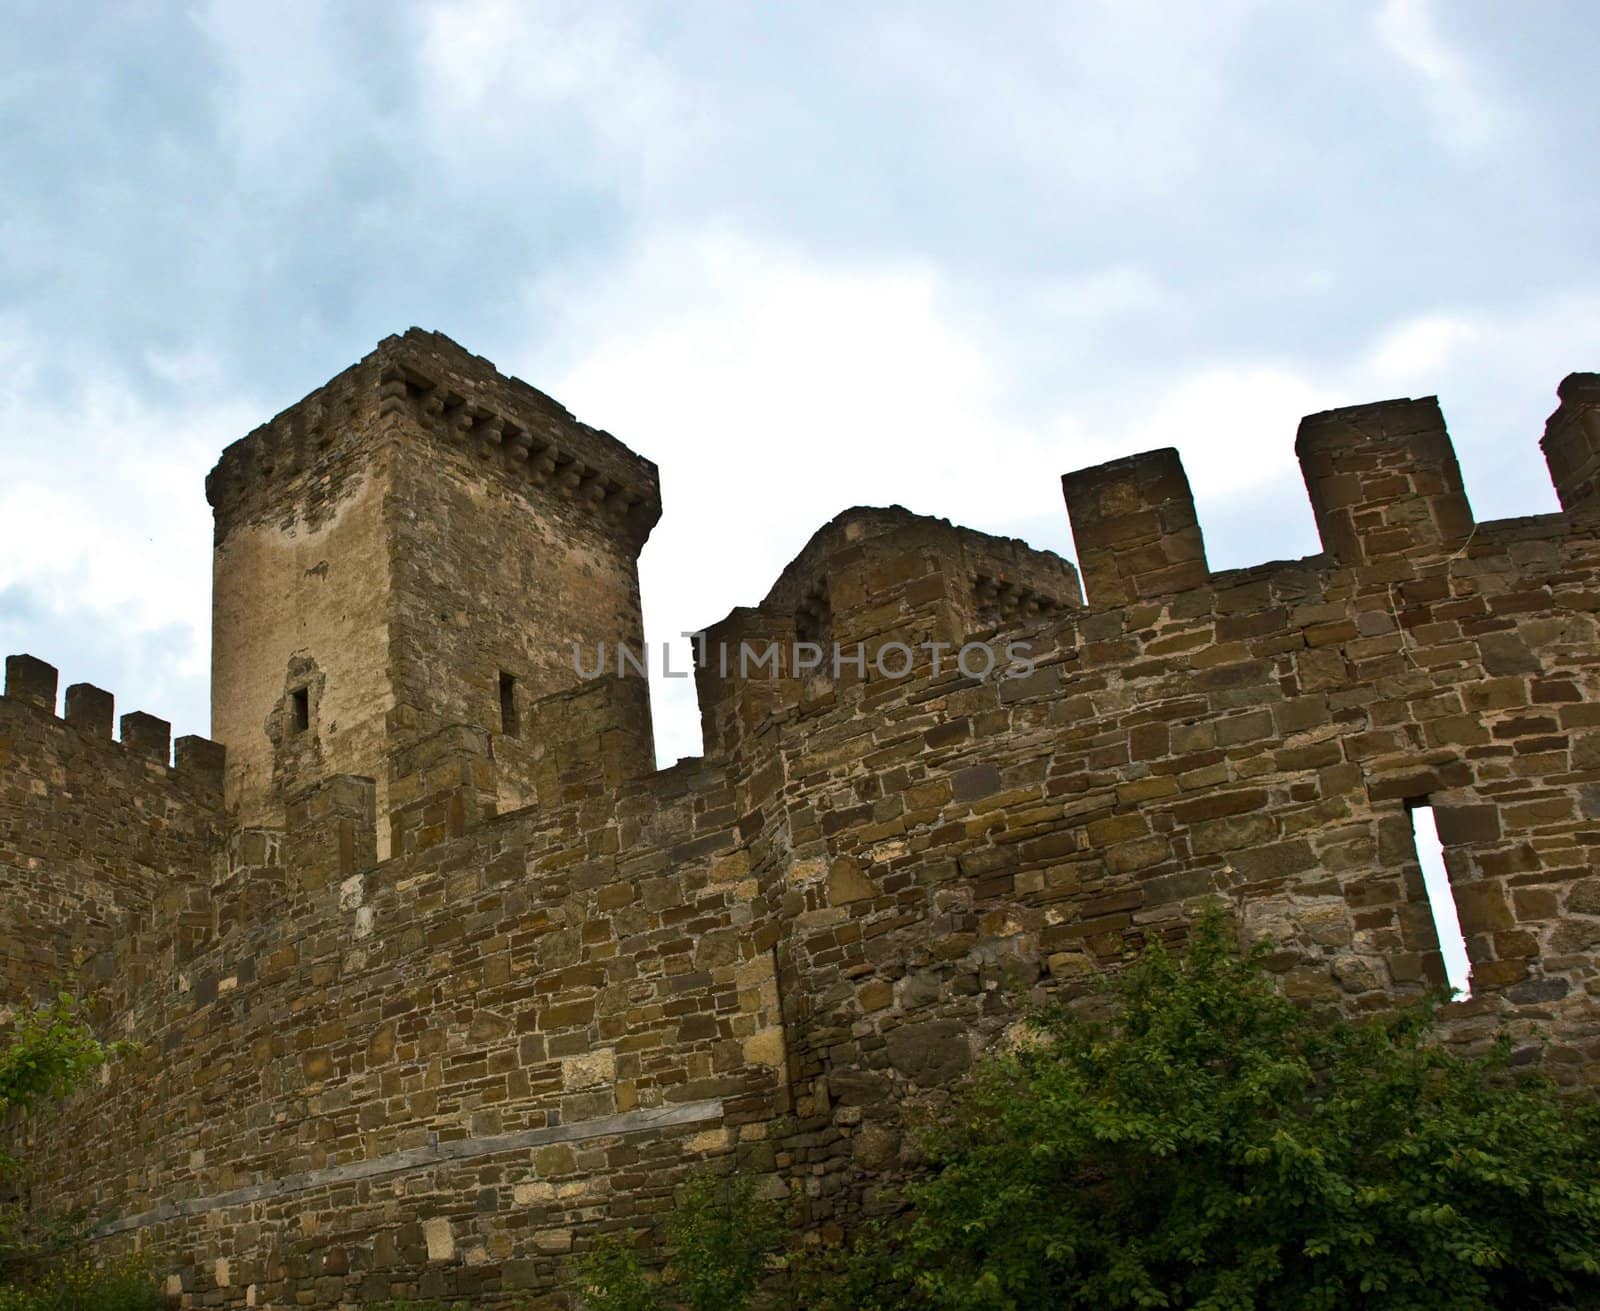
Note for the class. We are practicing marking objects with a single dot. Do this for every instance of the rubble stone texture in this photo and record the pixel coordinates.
(435, 977)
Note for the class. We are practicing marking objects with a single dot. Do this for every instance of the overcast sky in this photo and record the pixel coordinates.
(802, 255)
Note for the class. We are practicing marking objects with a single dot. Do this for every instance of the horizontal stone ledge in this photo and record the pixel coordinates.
(420, 1158)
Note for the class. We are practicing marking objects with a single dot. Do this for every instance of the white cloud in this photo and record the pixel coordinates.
(775, 391)
(500, 78)
(285, 96)
(1495, 373)
(1233, 424)
(747, 369)
(1102, 293)
(1465, 115)
(187, 367)
(1422, 345)
(106, 528)
(1072, 93)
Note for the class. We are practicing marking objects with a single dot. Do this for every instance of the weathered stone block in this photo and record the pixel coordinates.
(847, 884)
(931, 1052)
(32, 682)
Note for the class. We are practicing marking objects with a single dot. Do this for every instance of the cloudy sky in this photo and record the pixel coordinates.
(802, 255)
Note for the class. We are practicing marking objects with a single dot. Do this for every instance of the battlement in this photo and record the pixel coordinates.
(1383, 480)
(1571, 442)
(193, 760)
(1384, 486)
(463, 400)
(94, 832)
(1002, 570)
(871, 578)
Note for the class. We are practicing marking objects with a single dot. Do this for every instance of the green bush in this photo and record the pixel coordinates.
(50, 1053)
(720, 1238)
(610, 1277)
(76, 1284)
(1216, 1147)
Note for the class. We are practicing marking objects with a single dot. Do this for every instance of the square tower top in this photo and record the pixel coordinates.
(403, 550)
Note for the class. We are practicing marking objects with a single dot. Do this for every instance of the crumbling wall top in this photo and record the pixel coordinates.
(1005, 561)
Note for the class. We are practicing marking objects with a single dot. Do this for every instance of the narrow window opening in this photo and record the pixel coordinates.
(508, 704)
(1441, 898)
(300, 707)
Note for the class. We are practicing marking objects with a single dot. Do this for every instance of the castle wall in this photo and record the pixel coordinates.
(952, 849)
(98, 838)
(442, 1073)
(425, 1078)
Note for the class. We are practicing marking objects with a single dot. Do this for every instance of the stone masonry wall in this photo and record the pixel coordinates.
(442, 1073)
(951, 848)
(423, 1079)
(96, 835)
(959, 847)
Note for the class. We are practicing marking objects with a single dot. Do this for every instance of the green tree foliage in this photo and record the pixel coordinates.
(611, 1277)
(76, 1284)
(50, 1053)
(1214, 1146)
(720, 1238)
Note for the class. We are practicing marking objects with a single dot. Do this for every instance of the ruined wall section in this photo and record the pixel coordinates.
(952, 847)
(99, 838)
(1007, 578)
(944, 584)
(500, 1045)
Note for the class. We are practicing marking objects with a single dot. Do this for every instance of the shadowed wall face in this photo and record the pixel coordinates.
(1571, 442)
(491, 590)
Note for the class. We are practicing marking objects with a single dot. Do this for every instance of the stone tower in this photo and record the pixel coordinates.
(410, 552)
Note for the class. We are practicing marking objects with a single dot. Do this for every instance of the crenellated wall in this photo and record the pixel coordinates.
(950, 847)
(96, 835)
(430, 1028)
